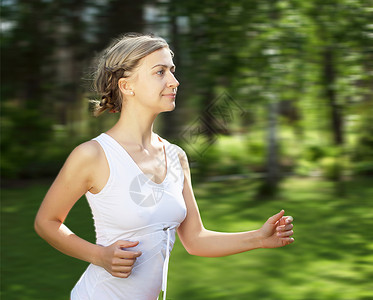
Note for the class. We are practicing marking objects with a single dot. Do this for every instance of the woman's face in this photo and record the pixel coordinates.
(154, 83)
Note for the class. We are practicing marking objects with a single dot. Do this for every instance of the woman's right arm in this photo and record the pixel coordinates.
(76, 177)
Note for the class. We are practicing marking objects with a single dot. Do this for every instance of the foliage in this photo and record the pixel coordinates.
(327, 161)
(303, 64)
(363, 152)
(229, 155)
(331, 168)
(24, 137)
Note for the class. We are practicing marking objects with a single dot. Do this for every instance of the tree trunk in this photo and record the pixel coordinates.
(271, 181)
(329, 78)
(272, 157)
(209, 123)
(32, 54)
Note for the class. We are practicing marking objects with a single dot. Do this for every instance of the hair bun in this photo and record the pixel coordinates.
(103, 101)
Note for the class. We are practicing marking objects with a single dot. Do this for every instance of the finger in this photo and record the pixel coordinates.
(276, 217)
(287, 241)
(123, 245)
(121, 269)
(123, 262)
(285, 233)
(284, 227)
(121, 275)
(286, 220)
(127, 244)
(289, 219)
(124, 254)
(127, 262)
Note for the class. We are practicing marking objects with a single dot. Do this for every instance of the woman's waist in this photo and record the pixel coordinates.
(147, 236)
(154, 241)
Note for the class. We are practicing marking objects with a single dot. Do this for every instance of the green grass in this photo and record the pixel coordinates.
(332, 257)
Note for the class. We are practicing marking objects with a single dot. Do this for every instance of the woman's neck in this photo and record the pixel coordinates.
(134, 127)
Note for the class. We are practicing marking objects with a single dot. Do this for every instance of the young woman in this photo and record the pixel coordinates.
(138, 186)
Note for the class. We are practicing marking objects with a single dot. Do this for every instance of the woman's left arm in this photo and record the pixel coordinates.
(276, 231)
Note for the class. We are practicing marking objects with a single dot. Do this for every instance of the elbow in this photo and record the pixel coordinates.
(192, 247)
(188, 246)
(191, 250)
(192, 241)
(37, 226)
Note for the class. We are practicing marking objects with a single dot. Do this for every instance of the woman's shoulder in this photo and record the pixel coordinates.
(88, 151)
(83, 160)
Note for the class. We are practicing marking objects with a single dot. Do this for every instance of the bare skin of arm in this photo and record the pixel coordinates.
(276, 231)
(82, 171)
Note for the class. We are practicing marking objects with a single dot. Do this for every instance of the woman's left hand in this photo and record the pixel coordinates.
(277, 231)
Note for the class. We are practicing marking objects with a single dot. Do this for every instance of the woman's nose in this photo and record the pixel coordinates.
(173, 81)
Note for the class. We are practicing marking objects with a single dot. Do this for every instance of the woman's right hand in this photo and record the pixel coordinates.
(117, 260)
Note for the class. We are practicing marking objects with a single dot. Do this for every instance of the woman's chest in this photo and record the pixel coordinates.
(140, 202)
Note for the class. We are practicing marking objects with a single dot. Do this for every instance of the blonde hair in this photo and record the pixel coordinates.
(119, 60)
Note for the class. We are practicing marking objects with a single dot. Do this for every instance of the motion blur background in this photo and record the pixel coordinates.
(275, 110)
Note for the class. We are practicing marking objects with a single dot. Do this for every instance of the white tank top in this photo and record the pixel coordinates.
(132, 207)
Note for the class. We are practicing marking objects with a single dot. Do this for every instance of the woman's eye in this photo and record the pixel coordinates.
(160, 72)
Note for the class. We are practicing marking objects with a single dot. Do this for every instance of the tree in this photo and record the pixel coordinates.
(337, 30)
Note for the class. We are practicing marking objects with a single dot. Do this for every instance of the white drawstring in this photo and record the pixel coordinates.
(165, 265)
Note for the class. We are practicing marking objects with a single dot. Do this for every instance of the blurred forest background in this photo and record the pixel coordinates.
(275, 104)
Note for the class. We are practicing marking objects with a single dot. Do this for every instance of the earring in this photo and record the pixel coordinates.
(132, 93)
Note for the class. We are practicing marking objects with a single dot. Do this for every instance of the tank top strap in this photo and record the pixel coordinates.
(113, 153)
(173, 161)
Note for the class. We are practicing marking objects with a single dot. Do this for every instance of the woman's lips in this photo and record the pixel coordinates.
(169, 95)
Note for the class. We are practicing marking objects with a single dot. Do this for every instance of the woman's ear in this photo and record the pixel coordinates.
(125, 87)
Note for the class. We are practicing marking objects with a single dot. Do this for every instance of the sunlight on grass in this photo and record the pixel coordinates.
(321, 264)
(330, 259)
